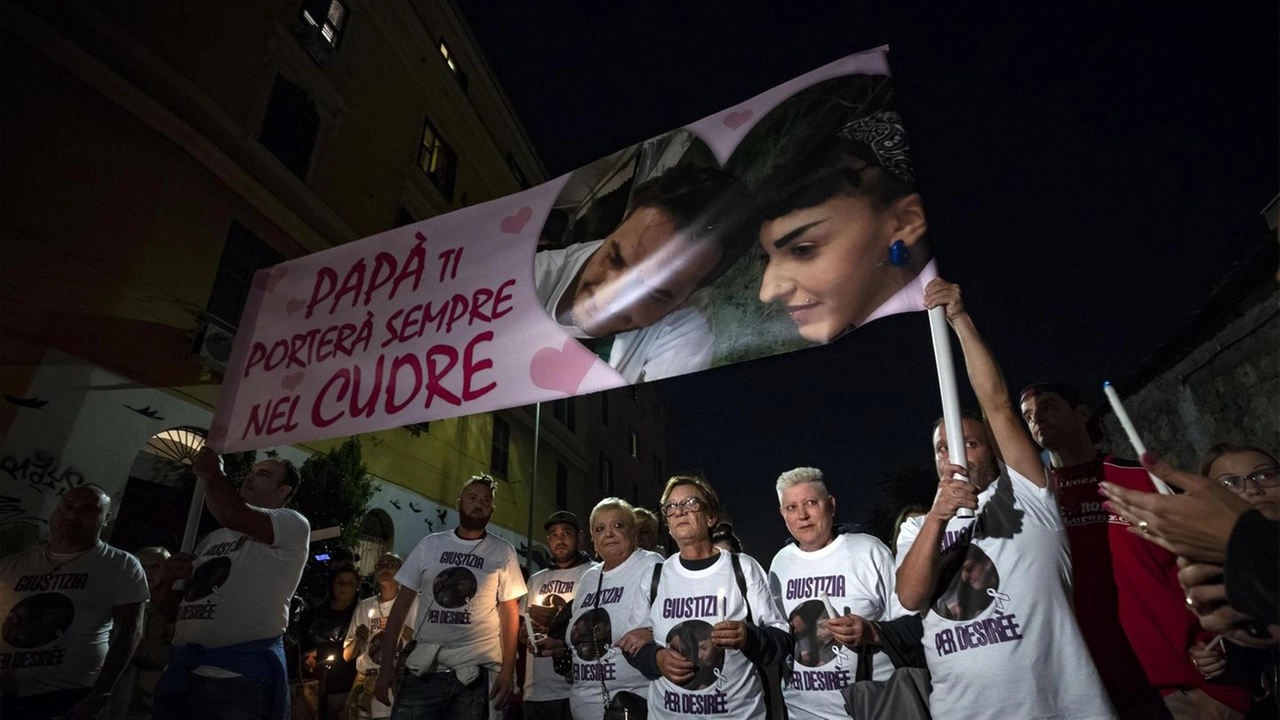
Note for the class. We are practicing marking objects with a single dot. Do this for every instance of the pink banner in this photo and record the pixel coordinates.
(678, 254)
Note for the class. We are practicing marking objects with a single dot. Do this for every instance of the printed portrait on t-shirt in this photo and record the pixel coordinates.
(691, 639)
(207, 578)
(815, 645)
(375, 647)
(38, 620)
(454, 587)
(591, 634)
(971, 581)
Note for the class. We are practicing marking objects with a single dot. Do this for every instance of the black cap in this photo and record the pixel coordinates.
(562, 517)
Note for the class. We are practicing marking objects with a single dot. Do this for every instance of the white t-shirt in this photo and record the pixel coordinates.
(460, 583)
(606, 609)
(726, 683)
(1002, 640)
(373, 614)
(856, 572)
(240, 587)
(57, 624)
(556, 588)
(677, 344)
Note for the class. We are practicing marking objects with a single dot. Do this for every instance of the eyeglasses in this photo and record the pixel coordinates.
(1263, 478)
(688, 505)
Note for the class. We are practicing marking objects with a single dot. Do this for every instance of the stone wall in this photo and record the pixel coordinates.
(1227, 388)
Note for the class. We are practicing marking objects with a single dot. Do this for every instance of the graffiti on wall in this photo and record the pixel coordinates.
(42, 474)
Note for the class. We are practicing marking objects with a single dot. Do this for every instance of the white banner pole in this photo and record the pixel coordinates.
(950, 394)
(193, 524)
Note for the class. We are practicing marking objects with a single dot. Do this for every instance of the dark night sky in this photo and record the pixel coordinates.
(1090, 173)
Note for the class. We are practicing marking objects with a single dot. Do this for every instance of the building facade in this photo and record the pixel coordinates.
(154, 158)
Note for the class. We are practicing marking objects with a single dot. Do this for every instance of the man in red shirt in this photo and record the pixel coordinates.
(1128, 601)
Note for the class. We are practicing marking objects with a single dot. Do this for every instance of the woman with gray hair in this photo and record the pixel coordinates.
(610, 617)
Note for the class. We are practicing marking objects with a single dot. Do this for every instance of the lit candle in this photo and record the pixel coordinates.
(528, 626)
(723, 602)
(826, 601)
(1132, 432)
(371, 613)
(537, 600)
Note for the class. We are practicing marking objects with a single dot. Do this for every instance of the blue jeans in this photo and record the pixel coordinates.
(436, 696)
(209, 698)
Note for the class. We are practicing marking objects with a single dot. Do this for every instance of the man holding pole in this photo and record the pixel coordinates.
(546, 694)
(1127, 596)
(72, 614)
(465, 654)
(850, 572)
(999, 635)
(230, 616)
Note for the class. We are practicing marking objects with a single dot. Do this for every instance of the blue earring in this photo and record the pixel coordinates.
(899, 254)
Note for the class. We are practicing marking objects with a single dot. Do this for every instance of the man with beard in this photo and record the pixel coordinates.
(72, 615)
(546, 694)
(228, 649)
(365, 637)
(465, 654)
(854, 571)
(1127, 596)
(1015, 650)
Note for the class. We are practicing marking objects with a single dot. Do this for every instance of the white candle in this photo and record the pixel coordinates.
(528, 626)
(1132, 432)
(826, 601)
(723, 602)
(370, 613)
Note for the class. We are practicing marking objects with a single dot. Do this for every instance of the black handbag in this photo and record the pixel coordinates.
(904, 696)
(625, 705)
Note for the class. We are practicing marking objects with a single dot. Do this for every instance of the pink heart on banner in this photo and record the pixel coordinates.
(268, 281)
(562, 370)
(294, 305)
(735, 120)
(290, 382)
(513, 224)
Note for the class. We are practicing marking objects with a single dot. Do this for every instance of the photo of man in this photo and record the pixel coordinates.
(631, 295)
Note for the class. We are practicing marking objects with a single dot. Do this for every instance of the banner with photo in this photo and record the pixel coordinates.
(782, 222)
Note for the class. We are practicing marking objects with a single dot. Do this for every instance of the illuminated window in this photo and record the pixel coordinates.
(322, 24)
(452, 62)
(437, 160)
(179, 444)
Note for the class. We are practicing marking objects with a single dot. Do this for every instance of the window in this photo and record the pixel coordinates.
(437, 160)
(404, 218)
(452, 61)
(606, 474)
(322, 23)
(521, 180)
(562, 486)
(242, 256)
(635, 444)
(657, 468)
(604, 409)
(500, 450)
(566, 412)
(290, 127)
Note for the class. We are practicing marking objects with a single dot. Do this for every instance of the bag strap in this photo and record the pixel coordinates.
(742, 583)
(653, 584)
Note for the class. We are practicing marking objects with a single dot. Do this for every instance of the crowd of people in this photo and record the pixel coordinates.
(1069, 589)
